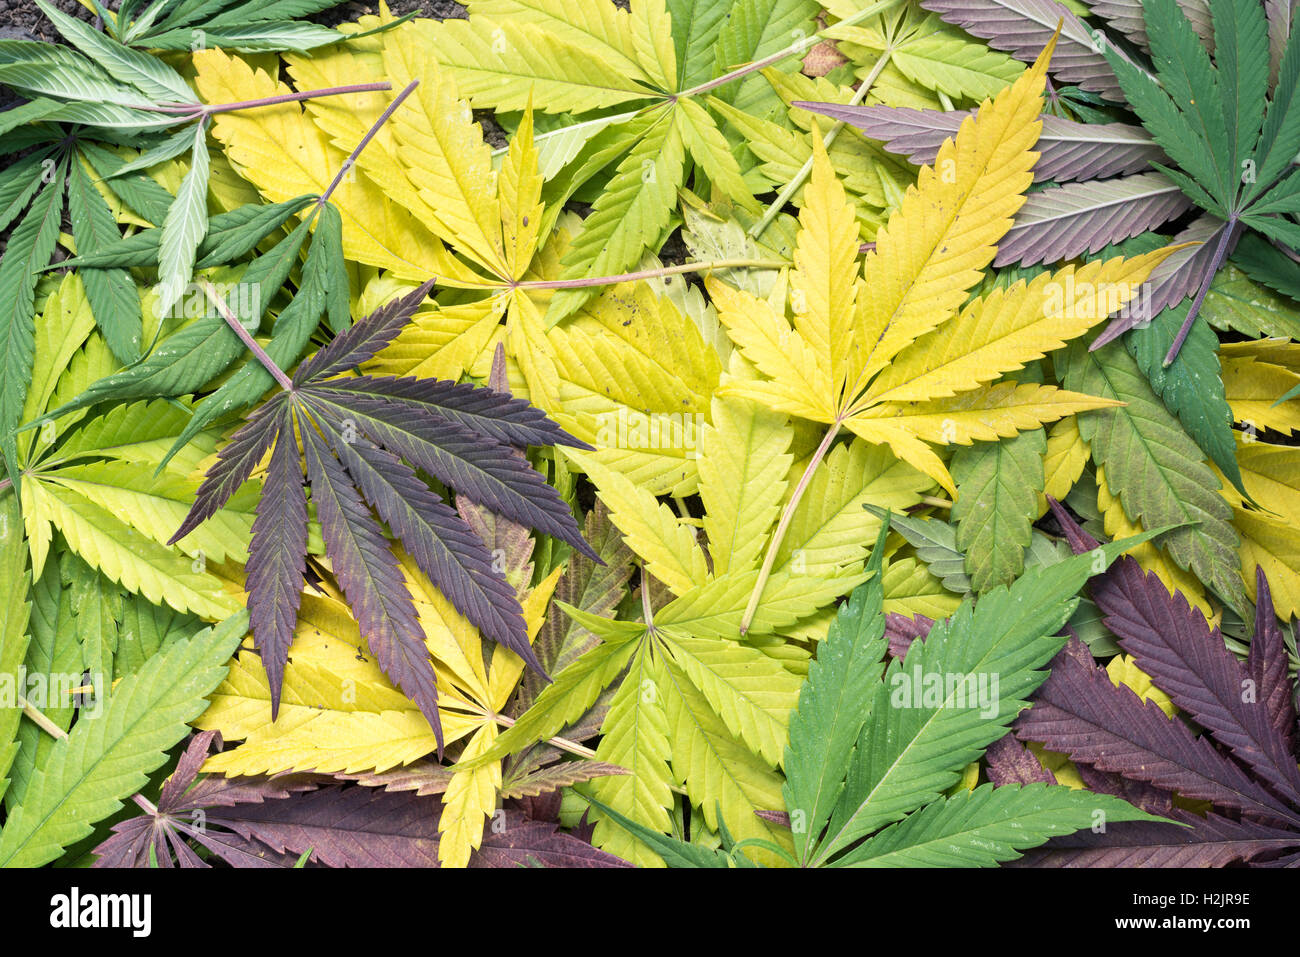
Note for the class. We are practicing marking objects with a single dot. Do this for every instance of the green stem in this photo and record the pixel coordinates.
(783, 526)
(792, 187)
(42, 722)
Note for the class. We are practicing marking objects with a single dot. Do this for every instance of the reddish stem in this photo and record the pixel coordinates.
(365, 141)
(196, 110)
(1220, 253)
(246, 338)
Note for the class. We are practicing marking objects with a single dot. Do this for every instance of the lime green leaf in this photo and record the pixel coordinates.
(108, 758)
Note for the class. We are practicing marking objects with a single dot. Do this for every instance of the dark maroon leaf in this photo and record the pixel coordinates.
(525, 843)
(424, 777)
(1063, 222)
(348, 826)
(371, 579)
(128, 845)
(508, 420)
(181, 815)
(277, 558)
(1212, 841)
(475, 465)
(1010, 762)
(235, 463)
(1148, 797)
(442, 544)
(344, 826)
(902, 630)
(1174, 645)
(1267, 665)
(365, 441)
(239, 851)
(187, 769)
(1080, 713)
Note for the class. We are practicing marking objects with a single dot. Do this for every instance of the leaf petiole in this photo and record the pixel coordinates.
(786, 517)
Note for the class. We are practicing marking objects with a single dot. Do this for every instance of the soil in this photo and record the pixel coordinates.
(433, 9)
(23, 20)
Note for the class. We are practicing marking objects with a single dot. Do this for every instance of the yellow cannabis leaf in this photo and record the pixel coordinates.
(888, 351)
(284, 155)
(699, 708)
(1271, 475)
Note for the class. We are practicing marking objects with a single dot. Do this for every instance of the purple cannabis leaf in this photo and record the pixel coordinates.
(365, 440)
(181, 815)
(1023, 28)
(902, 630)
(1010, 762)
(1185, 658)
(349, 826)
(1066, 221)
(1267, 666)
(1210, 841)
(1078, 711)
(1126, 17)
(1179, 276)
(1067, 150)
(255, 821)
(1244, 765)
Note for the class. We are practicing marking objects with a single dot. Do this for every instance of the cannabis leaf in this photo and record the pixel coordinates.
(362, 440)
(998, 485)
(689, 700)
(269, 822)
(865, 760)
(96, 481)
(109, 89)
(1154, 469)
(885, 352)
(1227, 129)
(182, 814)
(1244, 765)
(104, 760)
